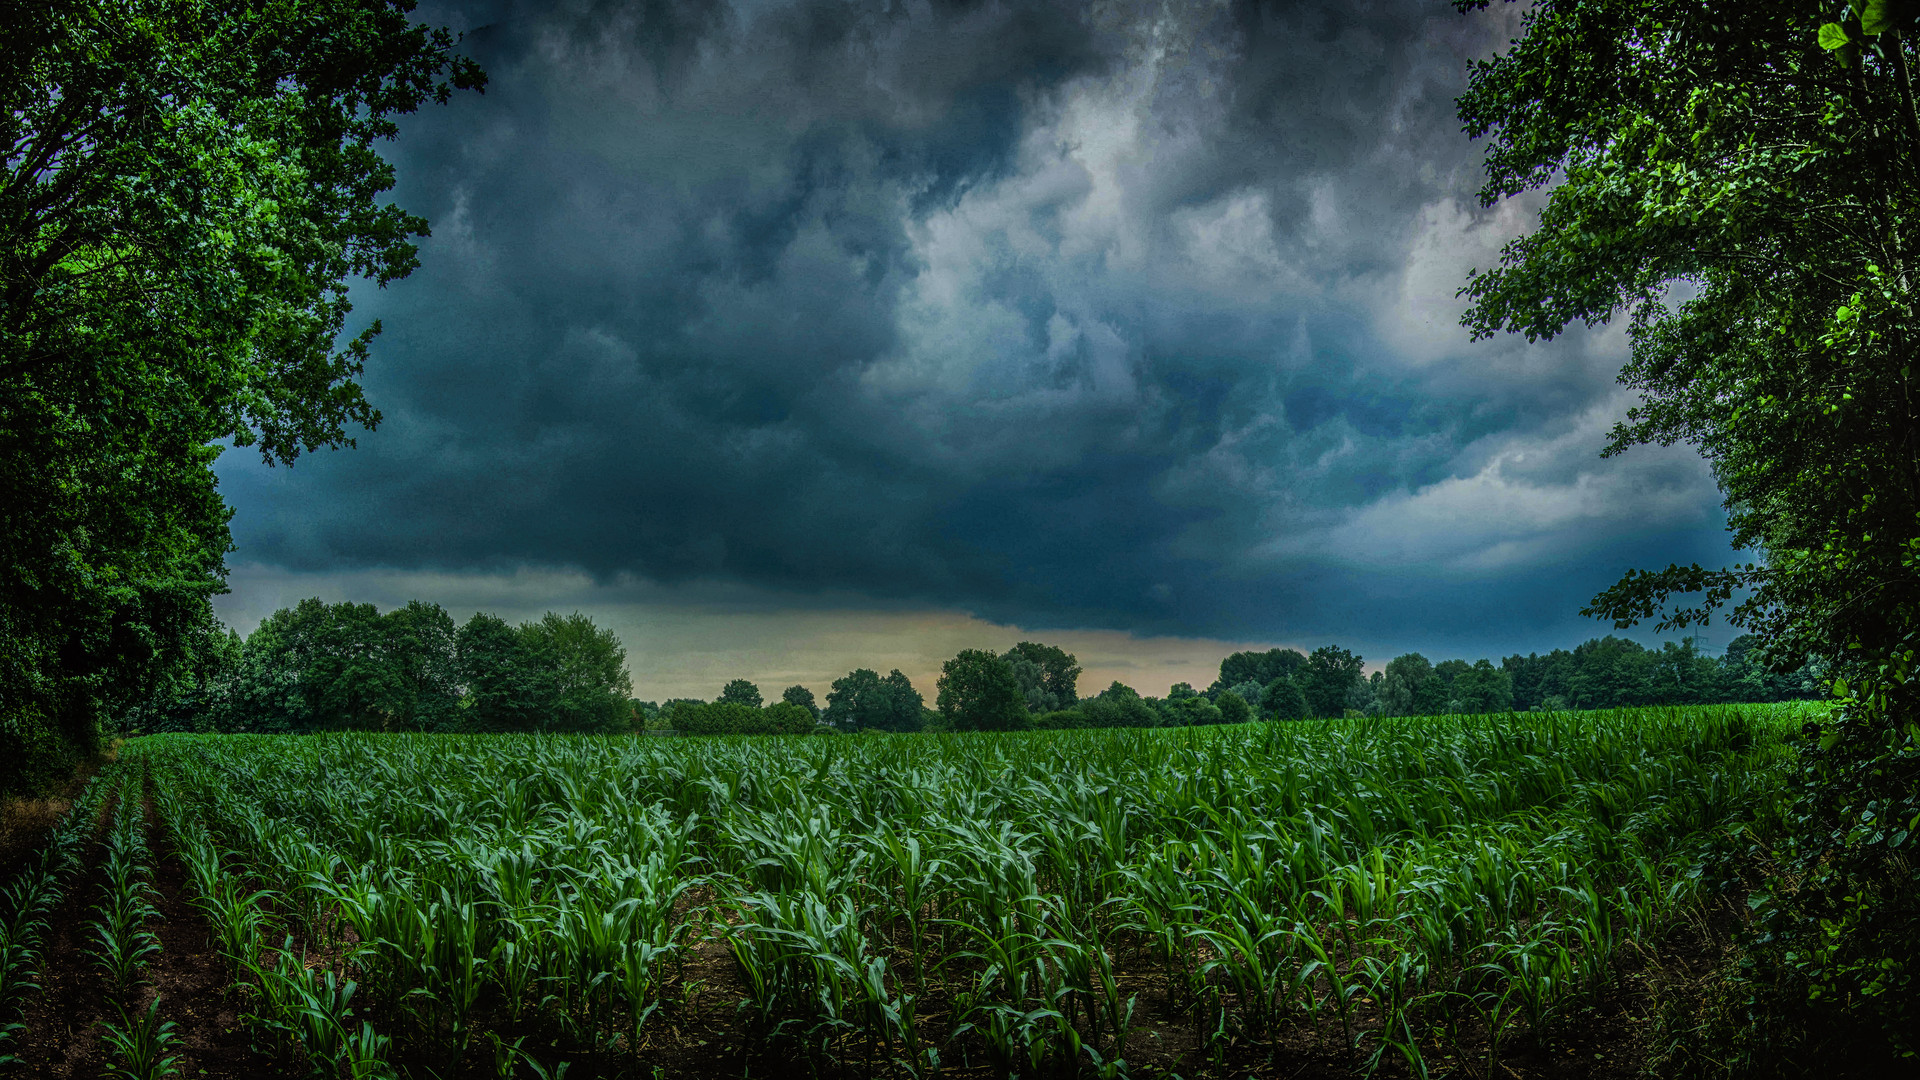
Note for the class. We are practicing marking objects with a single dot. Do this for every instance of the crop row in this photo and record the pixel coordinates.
(1388, 883)
(29, 901)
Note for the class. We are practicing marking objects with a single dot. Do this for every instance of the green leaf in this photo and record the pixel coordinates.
(1833, 36)
(1878, 16)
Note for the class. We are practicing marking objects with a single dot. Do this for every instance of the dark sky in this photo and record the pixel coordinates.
(1134, 319)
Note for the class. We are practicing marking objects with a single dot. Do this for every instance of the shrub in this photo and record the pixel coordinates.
(787, 718)
(1061, 720)
(717, 718)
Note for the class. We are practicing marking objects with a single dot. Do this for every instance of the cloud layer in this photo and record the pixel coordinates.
(1125, 316)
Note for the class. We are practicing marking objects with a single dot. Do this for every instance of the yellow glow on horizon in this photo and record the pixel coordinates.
(689, 641)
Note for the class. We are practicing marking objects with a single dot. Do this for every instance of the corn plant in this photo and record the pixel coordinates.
(123, 944)
(1440, 868)
(143, 1044)
(29, 900)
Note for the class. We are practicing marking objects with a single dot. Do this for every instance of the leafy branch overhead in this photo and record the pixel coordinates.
(1748, 206)
(1751, 207)
(186, 192)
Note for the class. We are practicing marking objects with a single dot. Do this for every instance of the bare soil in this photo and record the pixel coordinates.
(63, 1037)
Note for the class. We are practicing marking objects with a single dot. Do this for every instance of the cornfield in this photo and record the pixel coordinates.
(1408, 896)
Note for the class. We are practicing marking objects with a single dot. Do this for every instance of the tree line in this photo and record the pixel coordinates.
(1035, 686)
(318, 666)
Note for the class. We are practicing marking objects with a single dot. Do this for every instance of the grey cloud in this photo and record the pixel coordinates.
(1067, 316)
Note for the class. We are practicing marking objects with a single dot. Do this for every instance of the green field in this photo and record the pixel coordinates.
(1418, 896)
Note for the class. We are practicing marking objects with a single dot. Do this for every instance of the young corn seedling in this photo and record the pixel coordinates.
(143, 1044)
(122, 943)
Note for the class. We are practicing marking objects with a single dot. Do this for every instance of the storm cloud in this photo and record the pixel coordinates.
(1117, 316)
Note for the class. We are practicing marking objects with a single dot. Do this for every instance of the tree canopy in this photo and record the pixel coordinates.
(741, 692)
(187, 191)
(863, 701)
(1048, 675)
(1738, 181)
(979, 692)
(319, 666)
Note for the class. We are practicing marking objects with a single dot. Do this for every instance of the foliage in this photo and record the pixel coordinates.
(863, 701)
(716, 718)
(1258, 668)
(1048, 675)
(738, 718)
(1479, 688)
(741, 692)
(1060, 720)
(786, 718)
(1117, 706)
(583, 673)
(979, 692)
(1767, 163)
(1253, 693)
(503, 683)
(1233, 708)
(319, 666)
(1327, 678)
(186, 192)
(1282, 700)
(1189, 710)
(1363, 882)
(801, 696)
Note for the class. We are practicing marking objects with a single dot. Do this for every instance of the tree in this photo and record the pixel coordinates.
(186, 192)
(1233, 708)
(1395, 696)
(1193, 710)
(1363, 696)
(863, 701)
(344, 668)
(1327, 678)
(1060, 720)
(900, 704)
(978, 692)
(1407, 687)
(503, 685)
(1610, 672)
(1481, 688)
(853, 699)
(424, 652)
(1118, 706)
(1033, 685)
(741, 692)
(1253, 693)
(1683, 675)
(1059, 673)
(1259, 668)
(787, 718)
(1537, 678)
(1284, 701)
(1770, 165)
(261, 693)
(583, 669)
(717, 718)
(803, 697)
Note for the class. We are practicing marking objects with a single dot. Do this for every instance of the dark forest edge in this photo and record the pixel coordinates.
(346, 666)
